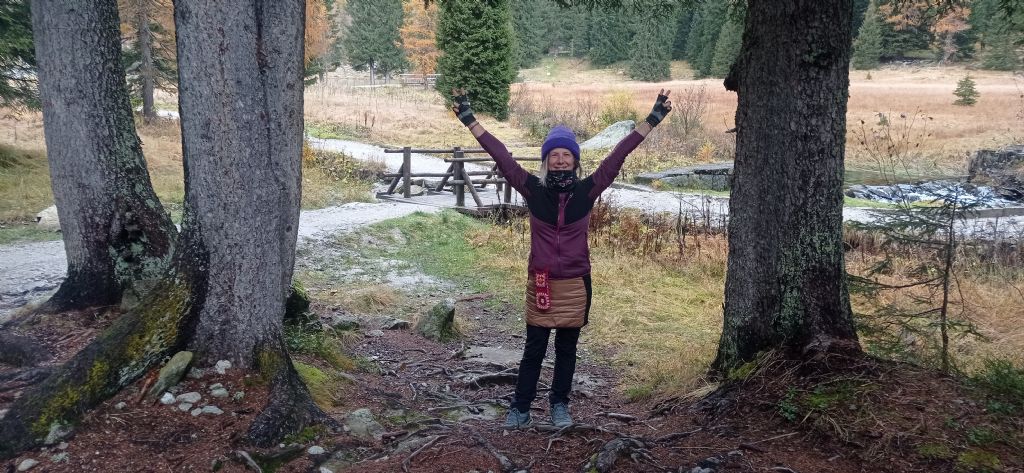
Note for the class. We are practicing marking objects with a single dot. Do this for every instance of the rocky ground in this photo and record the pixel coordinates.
(407, 402)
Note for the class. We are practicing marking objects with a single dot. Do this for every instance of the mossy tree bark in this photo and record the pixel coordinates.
(240, 82)
(116, 233)
(240, 66)
(786, 281)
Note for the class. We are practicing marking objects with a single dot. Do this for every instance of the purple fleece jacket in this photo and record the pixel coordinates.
(559, 222)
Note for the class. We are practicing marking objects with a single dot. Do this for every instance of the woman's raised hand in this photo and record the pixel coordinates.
(661, 108)
(460, 105)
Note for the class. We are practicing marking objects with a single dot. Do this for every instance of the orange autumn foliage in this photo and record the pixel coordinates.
(418, 35)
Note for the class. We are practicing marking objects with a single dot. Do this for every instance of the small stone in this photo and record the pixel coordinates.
(58, 432)
(196, 412)
(344, 322)
(189, 397)
(324, 469)
(212, 410)
(219, 392)
(196, 373)
(222, 366)
(316, 450)
(238, 396)
(167, 399)
(60, 457)
(185, 406)
(120, 406)
(375, 333)
(171, 373)
(27, 464)
(394, 324)
(363, 425)
(216, 386)
(62, 446)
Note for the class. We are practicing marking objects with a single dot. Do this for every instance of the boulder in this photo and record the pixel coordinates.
(439, 323)
(610, 136)
(296, 306)
(47, 219)
(361, 424)
(171, 373)
(344, 322)
(394, 324)
(1003, 169)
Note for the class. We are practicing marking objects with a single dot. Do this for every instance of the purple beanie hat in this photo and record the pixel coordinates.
(560, 137)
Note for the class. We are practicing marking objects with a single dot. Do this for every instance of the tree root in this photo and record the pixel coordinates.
(408, 461)
(20, 351)
(605, 458)
(290, 407)
(507, 466)
(117, 357)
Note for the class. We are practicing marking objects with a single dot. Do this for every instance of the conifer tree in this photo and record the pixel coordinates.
(727, 46)
(419, 35)
(17, 55)
(715, 15)
(684, 18)
(612, 36)
(693, 38)
(651, 48)
(373, 41)
(477, 52)
(867, 48)
(965, 92)
(1000, 53)
(530, 29)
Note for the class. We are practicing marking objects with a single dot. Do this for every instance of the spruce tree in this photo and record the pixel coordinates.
(651, 49)
(715, 15)
(17, 55)
(373, 41)
(477, 52)
(965, 92)
(727, 46)
(1000, 53)
(684, 19)
(867, 48)
(693, 38)
(530, 29)
(611, 38)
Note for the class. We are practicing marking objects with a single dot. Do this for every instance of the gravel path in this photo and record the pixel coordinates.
(30, 270)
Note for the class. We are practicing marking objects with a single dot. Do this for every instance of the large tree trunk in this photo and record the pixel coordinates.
(240, 82)
(115, 231)
(147, 71)
(786, 281)
(240, 66)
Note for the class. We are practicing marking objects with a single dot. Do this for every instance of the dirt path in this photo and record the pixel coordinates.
(30, 270)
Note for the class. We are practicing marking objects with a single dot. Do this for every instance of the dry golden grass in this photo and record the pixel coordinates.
(25, 190)
(988, 296)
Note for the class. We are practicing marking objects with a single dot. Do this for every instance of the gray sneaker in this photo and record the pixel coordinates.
(560, 415)
(517, 419)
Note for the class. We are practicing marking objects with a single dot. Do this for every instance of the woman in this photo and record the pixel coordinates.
(558, 289)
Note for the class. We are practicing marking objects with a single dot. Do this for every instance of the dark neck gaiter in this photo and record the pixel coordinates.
(561, 181)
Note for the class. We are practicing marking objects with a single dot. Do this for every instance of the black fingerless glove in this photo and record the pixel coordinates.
(658, 112)
(465, 114)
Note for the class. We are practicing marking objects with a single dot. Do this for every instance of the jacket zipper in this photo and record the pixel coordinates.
(558, 229)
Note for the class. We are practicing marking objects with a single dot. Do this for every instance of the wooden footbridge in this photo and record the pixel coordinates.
(457, 179)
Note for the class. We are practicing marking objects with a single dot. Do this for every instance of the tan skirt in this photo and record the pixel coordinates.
(568, 304)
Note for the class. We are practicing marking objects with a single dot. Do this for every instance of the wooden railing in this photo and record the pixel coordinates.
(456, 176)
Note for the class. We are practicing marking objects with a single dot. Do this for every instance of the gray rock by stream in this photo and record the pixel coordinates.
(1003, 169)
(610, 136)
(714, 176)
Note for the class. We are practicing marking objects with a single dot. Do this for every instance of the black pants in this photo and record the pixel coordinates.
(533, 357)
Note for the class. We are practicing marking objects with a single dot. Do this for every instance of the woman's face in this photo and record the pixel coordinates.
(561, 159)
